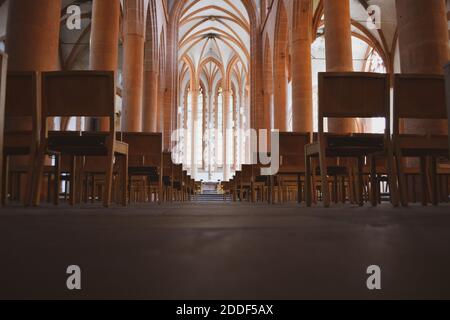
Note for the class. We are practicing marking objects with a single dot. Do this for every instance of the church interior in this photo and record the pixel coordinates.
(225, 149)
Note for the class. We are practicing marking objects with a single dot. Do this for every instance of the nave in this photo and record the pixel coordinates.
(232, 149)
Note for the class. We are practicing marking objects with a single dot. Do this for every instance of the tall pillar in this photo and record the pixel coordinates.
(280, 93)
(423, 40)
(133, 65)
(104, 46)
(161, 97)
(194, 99)
(339, 56)
(227, 125)
(32, 40)
(302, 93)
(150, 109)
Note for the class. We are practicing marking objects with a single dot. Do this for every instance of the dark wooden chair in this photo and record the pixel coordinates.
(146, 161)
(447, 91)
(177, 182)
(22, 138)
(352, 95)
(81, 94)
(168, 177)
(3, 70)
(420, 97)
(292, 164)
(246, 183)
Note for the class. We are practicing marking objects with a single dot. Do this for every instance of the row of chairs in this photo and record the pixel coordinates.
(80, 166)
(360, 167)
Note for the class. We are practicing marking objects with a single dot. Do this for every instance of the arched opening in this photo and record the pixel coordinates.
(217, 42)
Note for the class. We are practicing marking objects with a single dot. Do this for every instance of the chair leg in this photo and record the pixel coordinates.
(402, 185)
(73, 180)
(434, 181)
(423, 180)
(393, 188)
(37, 182)
(108, 180)
(324, 177)
(57, 181)
(373, 182)
(308, 182)
(125, 180)
(5, 179)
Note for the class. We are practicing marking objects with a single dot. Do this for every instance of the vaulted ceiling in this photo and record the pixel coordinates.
(214, 35)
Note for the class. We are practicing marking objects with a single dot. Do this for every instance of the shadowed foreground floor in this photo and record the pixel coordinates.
(225, 251)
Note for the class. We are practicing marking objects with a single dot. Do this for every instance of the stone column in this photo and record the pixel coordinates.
(280, 93)
(133, 65)
(150, 109)
(32, 42)
(423, 40)
(104, 46)
(227, 125)
(339, 56)
(302, 94)
(194, 99)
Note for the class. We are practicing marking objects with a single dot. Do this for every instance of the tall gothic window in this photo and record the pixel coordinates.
(219, 131)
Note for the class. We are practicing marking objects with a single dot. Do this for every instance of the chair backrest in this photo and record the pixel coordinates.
(167, 164)
(178, 172)
(79, 94)
(419, 97)
(3, 69)
(292, 149)
(22, 95)
(354, 95)
(247, 173)
(142, 144)
(447, 90)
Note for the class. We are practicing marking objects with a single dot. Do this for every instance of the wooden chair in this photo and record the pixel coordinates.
(146, 160)
(177, 182)
(246, 183)
(81, 94)
(420, 97)
(447, 91)
(292, 164)
(168, 177)
(22, 105)
(352, 95)
(3, 70)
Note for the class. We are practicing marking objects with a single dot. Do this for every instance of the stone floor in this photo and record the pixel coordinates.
(225, 251)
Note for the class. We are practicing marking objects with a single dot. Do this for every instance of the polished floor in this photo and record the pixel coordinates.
(225, 251)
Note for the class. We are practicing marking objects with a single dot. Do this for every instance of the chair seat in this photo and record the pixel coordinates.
(16, 151)
(419, 145)
(17, 143)
(177, 185)
(353, 146)
(334, 171)
(76, 145)
(150, 172)
(167, 181)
